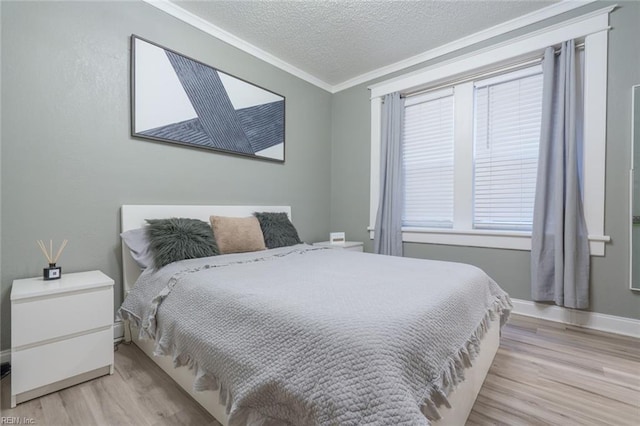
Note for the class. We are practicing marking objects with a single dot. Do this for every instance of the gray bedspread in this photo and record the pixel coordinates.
(304, 336)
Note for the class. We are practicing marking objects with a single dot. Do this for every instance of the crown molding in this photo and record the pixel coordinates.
(225, 36)
(578, 26)
(502, 28)
(531, 18)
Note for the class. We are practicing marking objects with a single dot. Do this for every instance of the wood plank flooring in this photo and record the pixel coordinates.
(544, 374)
(547, 373)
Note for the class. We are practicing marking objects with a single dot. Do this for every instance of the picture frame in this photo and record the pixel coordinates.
(180, 100)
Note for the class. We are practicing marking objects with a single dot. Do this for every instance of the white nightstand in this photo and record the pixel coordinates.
(61, 333)
(347, 245)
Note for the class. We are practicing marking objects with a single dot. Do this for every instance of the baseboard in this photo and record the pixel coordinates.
(118, 331)
(593, 320)
(118, 335)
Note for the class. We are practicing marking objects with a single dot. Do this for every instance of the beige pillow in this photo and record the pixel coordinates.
(237, 234)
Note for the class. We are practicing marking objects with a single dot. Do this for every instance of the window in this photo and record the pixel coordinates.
(506, 112)
(507, 118)
(489, 162)
(428, 160)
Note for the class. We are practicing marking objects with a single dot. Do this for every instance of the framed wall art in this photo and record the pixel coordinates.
(180, 100)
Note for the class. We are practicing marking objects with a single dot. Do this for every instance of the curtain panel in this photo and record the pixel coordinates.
(388, 228)
(559, 240)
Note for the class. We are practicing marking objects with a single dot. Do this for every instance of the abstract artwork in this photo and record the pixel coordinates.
(180, 100)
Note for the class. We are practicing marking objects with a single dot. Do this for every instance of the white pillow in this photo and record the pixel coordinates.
(137, 241)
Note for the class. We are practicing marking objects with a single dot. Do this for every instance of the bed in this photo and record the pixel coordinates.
(447, 402)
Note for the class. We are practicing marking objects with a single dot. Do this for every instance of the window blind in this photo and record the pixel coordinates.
(428, 160)
(507, 120)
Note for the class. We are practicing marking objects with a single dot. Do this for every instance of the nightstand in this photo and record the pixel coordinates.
(347, 245)
(61, 333)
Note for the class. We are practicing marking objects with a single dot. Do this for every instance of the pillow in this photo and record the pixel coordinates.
(237, 234)
(278, 230)
(137, 241)
(177, 239)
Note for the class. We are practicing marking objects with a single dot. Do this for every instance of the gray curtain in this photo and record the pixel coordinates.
(559, 240)
(388, 230)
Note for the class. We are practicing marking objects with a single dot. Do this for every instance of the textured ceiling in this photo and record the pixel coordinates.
(338, 40)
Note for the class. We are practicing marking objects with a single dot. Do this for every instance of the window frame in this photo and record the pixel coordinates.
(591, 28)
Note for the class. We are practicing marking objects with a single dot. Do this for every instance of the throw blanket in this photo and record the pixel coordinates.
(305, 336)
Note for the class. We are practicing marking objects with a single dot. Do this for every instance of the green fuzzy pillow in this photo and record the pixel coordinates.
(177, 239)
(277, 229)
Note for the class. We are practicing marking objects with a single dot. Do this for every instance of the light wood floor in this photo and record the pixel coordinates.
(544, 374)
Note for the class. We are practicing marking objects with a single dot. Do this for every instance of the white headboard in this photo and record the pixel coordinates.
(133, 216)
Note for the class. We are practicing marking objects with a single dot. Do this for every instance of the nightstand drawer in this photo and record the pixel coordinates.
(42, 365)
(50, 317)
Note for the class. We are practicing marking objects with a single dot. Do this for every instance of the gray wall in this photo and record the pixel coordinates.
(610, 292)
(68, 162)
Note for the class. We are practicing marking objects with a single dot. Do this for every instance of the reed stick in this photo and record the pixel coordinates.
(40, 246)
(64, 243)
(44, 250)
(51, 248)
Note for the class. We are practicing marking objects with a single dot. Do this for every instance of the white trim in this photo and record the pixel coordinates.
(463, 155)
(480, 36)
(593, 27)
(118, 331)
(586, 319)
(499, 29)
(376, 131)
(520, 47)
(595, 129)
(511, 240)
(225, 36)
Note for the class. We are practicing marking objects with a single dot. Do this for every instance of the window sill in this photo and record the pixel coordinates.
(510, 240)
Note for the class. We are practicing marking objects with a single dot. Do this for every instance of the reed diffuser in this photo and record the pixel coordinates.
(53, 272)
